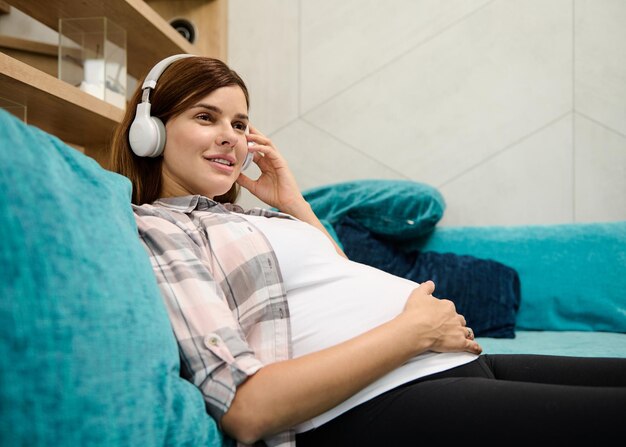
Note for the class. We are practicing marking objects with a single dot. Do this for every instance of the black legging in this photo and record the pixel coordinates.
(501, 398)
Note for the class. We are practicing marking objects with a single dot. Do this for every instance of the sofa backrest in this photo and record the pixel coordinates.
(573, 276)
(87, 355)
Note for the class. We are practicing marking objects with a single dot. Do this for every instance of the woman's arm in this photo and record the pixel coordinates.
(284, 394)
(277, 186)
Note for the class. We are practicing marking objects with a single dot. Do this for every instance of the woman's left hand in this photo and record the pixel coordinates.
(276, 185)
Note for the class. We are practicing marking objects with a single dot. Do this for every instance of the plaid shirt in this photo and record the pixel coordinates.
(223, 290)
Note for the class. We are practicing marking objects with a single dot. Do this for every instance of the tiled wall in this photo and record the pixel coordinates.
(514, 109)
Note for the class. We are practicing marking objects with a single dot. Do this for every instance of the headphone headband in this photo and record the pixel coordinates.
(153, 76)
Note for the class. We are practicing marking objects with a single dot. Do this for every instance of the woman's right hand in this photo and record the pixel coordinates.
(435, 322)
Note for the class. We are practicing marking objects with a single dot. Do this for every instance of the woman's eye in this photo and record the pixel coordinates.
(204, 117)
(239, 126)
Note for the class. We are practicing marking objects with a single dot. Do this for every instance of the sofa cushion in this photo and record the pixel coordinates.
(395, 209)
(485, 292)
(87, 355)
(573, 276)
(568, 343)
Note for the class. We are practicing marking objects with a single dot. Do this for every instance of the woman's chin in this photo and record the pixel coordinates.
(213, 195)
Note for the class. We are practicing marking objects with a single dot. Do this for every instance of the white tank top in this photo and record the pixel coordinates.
(332, 299)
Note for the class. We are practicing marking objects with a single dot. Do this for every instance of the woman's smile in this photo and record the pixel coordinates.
(222, 163)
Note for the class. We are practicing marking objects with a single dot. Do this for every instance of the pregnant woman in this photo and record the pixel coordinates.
(287, 339)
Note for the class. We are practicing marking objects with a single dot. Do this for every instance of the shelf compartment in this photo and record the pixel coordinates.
(57, 107)
(150, 38)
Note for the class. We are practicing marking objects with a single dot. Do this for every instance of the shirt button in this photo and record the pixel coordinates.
(212, 340)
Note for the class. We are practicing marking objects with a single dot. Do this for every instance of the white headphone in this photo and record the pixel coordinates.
(147, 133)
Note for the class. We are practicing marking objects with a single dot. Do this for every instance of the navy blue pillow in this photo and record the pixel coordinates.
(485, 292)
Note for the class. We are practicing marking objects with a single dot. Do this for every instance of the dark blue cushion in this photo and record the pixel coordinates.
(485, 292)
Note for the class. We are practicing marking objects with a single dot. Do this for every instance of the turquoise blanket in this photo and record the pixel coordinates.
(570, 343)
(573, 276)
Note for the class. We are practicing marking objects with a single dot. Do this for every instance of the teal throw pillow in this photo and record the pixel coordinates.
(394, 209)
(87, 355)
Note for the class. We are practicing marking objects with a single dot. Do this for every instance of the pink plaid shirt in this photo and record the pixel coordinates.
(223, 290)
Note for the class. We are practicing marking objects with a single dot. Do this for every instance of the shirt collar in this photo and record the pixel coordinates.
(186, 204)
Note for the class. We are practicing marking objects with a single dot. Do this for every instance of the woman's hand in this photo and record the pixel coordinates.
(276, 185)
(436, 322)
(283, 394)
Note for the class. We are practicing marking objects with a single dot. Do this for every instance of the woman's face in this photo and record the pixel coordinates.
(206, 145)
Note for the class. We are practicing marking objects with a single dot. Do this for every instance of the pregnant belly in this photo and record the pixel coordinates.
(358, 299)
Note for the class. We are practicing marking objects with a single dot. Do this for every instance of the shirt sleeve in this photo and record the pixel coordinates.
(214, 353)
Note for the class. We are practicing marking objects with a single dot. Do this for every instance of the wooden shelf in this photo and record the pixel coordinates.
(149, 37)
(210, 18)
(57, 107)
(40, 55)
(78, 118)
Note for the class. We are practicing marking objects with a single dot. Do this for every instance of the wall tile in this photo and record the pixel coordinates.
(528, 183)
(263, 49)
(515, 110)
(600, 160)
(601, 61)
(317, 158)
(344, 41)
(500, 74)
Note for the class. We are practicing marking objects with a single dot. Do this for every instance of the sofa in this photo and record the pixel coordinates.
(537, 289)
(88, 356)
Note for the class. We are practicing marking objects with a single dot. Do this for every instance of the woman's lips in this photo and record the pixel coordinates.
(221, 162)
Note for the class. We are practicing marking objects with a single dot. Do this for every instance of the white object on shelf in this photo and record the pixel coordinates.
(92, 56)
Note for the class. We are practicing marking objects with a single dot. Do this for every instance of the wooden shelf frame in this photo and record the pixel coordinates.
(149, 37)
(58, 107)
(76, 117)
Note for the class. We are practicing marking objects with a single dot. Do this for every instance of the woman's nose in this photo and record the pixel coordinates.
(227, 136)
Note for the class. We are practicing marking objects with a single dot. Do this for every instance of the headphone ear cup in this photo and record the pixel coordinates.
(160, 131)
(147, 133)
(250, 155)
(247, 161)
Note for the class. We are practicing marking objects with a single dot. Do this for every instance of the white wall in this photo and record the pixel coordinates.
(514, 109)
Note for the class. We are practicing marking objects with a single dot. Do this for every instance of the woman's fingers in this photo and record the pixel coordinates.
(473, 347)
(245, 182)
(263, 149)
(257, 137)
(427, 287)
(470, 342)
(451, 333)
(462, 319)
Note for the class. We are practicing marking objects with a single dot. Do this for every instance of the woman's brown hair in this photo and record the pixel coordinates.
(180, 86)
